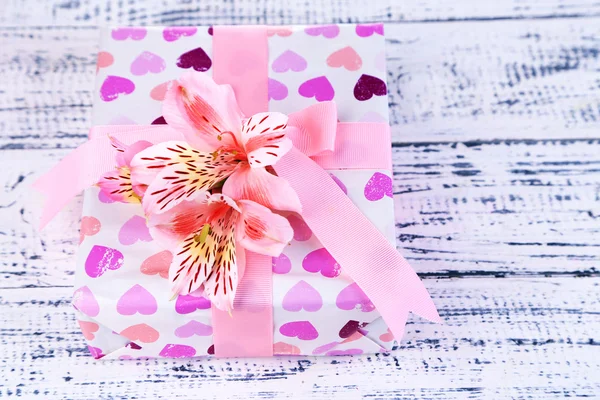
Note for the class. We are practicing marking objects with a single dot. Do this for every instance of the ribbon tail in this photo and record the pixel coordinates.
(356, 244)
(79, 170)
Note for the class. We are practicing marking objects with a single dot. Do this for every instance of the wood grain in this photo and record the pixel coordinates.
(515, 79)
(502, 338)
(494, 111)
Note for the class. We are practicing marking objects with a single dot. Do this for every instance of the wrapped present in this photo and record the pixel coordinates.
(238, 195)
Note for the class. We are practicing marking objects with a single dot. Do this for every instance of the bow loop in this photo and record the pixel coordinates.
(313, 129)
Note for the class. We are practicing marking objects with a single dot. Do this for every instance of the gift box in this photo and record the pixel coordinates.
(123, 296)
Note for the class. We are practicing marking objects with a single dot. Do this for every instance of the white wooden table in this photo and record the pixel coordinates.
(495, 110)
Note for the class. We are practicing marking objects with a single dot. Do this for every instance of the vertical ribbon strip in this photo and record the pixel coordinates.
(240, 59)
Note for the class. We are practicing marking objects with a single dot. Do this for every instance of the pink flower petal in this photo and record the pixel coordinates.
(172, 227)
(263, 136)
(262, 187)
(200, 109)
(261, 231)
(117, 186)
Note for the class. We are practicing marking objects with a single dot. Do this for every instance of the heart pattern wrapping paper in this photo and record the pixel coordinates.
(122, 295)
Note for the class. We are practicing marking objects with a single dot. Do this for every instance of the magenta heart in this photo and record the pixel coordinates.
(211, 348)
(101, 259)
(171, 34)
(126, 33)
(302, 296)
(367, 86)
(193, 328)
(277, 90)
(325, 347)
(328, 31)
(84, 301)
(301, 231)
(96, 352)
(187, 304)
(303, 330)
(352, 297)
(339, 183)
(321, 260)
(177, 351)
(348, 352)
(137, 300)
(379, 185)
(133, 230)
(351, 328)
(196, 59)
(320, 88)
(281, 264)
(147, 62)
(368, 29)
(113, 86)
(159, 121)
(289, 60)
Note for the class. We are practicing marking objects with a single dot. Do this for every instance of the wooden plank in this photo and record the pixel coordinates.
(499, 208)
(502, 338)
(155, 12)
(514, 79)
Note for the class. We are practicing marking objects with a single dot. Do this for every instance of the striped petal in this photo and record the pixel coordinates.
(201, 109)
(263, 137)
(193, 261)
(183, 173)
(221, 284)
(117, 186)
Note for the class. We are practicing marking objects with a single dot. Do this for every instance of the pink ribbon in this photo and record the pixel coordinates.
(320, 142)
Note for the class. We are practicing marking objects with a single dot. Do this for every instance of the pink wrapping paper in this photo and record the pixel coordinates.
(122, 294)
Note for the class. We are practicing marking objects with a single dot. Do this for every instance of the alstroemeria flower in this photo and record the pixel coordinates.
(208, 237)
(220, 143)
(117, 184)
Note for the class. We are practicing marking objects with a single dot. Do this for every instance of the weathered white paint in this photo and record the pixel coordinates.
(505, 231)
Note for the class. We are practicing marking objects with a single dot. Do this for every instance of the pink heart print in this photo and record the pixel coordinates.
(114, 86)
(85, 301)
(158, 92)
(302, 296)
(188, 304)
(277, 90)
(289, 60)
(157, 264)
(368, 86)
(105, 59)
(366, 30)
(303, 330)
(196, 59)
(321, 260)
(347, 352)
(351, 328)
(89, 227)
(281, 348)
(159, 121)
(379, 185)
(193, 328)
(324, 348)
(346, 57)
(328, 31)
(387, 336)
(88, 329)
(101, 259)
(137, 300)
(283, 32)
(301, 231)
(177, 351)
(352, 297)
(147, 62)
(281, 264)
(171, 34)
(128, 33)
(133, 230)
(142, 333)
(320, 88)
(96, 352)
